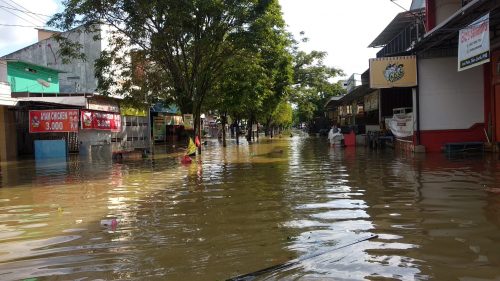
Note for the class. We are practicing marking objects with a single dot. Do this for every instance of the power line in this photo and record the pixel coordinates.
(37, 18)
(17, 16)
(19, 10)
(20, 25)
(418, 17)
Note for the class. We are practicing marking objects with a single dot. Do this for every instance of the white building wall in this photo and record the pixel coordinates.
(5, 91)
(79, 75)
(446, 8)
(449, 99)
(3, 72)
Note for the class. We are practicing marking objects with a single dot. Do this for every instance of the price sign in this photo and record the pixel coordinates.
(53, 121)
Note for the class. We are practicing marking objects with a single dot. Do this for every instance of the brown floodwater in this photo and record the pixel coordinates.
(244, 208)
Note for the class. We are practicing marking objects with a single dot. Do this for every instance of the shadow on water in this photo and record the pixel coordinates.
(243, 208)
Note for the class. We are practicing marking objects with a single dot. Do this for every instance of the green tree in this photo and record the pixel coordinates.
(258, 77)
(186, 43)
(313, 84)
(283, 115)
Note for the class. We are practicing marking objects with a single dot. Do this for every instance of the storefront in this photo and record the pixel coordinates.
(396, 79)
(43, 122)
(458, 81)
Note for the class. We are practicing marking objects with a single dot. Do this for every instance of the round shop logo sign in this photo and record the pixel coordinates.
(35, 122)
(394, 72)
(87, 119)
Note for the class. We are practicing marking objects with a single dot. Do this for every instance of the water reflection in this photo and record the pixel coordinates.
(243, 208)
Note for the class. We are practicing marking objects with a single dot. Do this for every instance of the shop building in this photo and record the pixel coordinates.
(78, 75)
(8, 140)
(458, 88)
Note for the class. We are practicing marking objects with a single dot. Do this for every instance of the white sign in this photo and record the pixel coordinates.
(353, 82)
(474, 44)
(103, 105)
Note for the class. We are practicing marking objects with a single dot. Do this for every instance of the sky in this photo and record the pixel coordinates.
(342, 28)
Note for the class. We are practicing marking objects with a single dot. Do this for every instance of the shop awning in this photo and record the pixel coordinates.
(399, 23)
(334, 101)
(357, 93)
(32, 104)
(63, 101)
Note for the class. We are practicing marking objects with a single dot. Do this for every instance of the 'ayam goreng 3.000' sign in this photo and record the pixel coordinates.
(53, 121)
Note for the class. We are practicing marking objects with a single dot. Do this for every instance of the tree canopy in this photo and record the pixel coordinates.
(313, 84)
(231, 56)
(186, 43)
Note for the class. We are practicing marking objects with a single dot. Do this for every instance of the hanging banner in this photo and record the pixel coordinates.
(401, 125)
(102, 104)
(474, 44)
(393, 72)
(188, 121)
(94, 120)
(53, 121)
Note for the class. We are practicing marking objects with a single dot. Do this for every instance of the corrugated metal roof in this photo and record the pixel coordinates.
(401, 21)
(444, 34)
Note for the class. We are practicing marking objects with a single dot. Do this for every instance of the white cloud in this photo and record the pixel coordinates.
(344, 29)
(14, 38)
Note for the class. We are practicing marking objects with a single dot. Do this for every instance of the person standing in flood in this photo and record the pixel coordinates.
(335, 135)
(331, 134)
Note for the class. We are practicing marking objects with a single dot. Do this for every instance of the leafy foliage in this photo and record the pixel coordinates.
(185, 43)
(313, 84)
(232, 56)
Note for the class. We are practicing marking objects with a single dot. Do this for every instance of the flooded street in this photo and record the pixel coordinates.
(248, 207)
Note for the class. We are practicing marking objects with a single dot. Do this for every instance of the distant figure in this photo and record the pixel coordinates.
(335, 137)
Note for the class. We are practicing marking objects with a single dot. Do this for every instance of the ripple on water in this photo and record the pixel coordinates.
(235, 213)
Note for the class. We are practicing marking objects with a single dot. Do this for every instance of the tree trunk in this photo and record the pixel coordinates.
(197, 125)
(249, 128)
(237, 128)
(224, 121)
(267, 131)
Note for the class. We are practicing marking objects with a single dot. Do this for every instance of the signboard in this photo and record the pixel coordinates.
(100, 121)
(53, 121)
(371, 101)
(393, 72)
(178, 120)
(353, 82)
(188, 121)
(159, 127)
(102, 105)
(474, 44)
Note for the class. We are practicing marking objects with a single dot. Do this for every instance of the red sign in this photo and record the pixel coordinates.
(53, 121)
(101, 120)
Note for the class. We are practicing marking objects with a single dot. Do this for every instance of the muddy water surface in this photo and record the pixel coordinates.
(249, 207)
